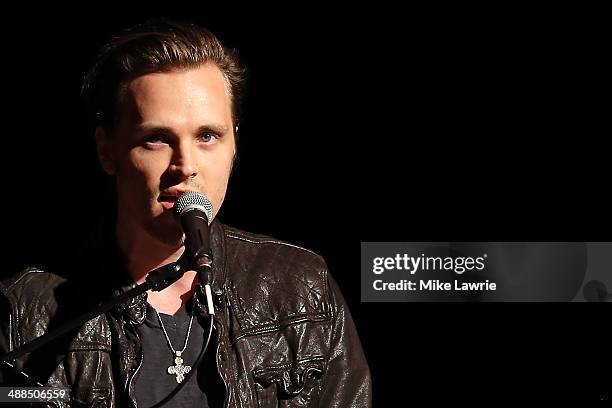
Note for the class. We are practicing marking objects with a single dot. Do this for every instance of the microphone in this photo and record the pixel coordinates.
(194, 212)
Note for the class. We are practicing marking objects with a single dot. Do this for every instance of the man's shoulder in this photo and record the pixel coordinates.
(31, 285)
(32, 297)
(273, 283)
(251, 247)
(38, 299)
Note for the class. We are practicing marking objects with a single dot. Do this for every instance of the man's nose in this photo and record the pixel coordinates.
(183, 162)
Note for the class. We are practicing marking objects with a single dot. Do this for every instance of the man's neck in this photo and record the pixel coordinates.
(142, 254)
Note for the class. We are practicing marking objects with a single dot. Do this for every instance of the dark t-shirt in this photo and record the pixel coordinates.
(152, 382)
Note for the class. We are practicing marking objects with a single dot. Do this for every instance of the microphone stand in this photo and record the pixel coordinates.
(156, 280)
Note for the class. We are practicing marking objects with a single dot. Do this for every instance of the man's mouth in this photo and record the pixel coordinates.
(169, 196)
(167, 201)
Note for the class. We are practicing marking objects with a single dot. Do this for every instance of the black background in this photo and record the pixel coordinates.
(443, 124)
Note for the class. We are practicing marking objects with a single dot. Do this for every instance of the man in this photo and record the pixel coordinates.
(166, 100)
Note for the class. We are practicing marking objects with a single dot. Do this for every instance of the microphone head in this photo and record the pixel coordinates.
(192, 200)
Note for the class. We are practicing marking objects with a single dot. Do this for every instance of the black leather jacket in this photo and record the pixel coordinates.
(284, 336)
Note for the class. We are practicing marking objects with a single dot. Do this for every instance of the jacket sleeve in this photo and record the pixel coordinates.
(347, 381)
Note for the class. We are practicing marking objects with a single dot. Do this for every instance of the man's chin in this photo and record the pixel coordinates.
(168, 234)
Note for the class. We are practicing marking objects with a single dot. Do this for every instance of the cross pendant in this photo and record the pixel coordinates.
(178, 368)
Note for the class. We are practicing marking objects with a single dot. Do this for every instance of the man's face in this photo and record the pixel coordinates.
(174, 133)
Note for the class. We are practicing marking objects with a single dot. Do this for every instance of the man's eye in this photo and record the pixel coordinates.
(208, 138)
(156, 139)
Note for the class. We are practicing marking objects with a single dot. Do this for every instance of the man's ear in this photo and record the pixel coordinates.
(105, 151)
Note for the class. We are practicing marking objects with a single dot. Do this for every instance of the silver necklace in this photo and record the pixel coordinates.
(178, 368)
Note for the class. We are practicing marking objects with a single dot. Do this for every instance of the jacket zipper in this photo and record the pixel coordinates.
(137, 369)
(11, 332)
(226, 399)
(217, 357)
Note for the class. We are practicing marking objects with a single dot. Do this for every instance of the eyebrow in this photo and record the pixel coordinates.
(214, 128)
